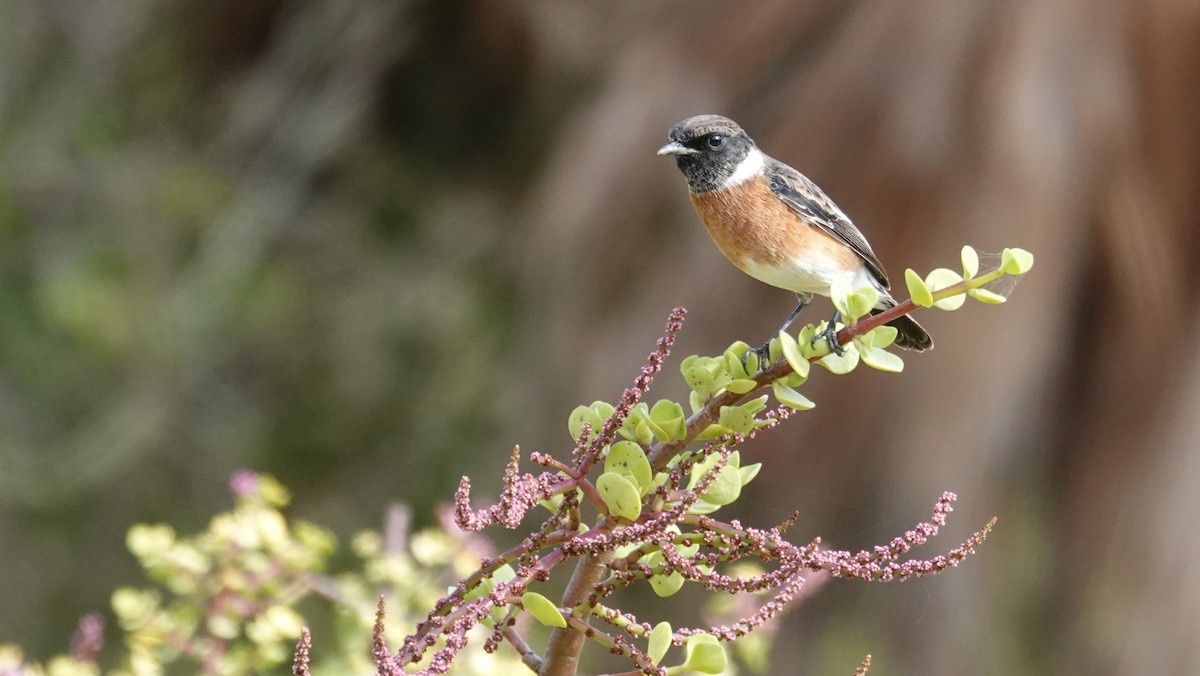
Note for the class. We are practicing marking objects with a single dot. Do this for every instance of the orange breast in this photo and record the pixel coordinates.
(749, 224)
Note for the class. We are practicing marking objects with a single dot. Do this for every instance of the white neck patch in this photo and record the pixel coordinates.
(747, 169)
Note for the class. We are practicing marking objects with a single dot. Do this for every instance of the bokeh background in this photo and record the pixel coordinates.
(368, 245)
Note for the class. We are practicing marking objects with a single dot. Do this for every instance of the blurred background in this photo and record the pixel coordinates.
(368, 245)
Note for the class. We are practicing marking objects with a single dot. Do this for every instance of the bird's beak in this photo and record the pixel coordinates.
(676, 148)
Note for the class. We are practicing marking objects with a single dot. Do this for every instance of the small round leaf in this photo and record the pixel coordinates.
(713, 431)
(943, 278)
(660, 642)
(790, 397)
(666, 585)
(843, 364)
(629, 460)
(705, 654)
(620, 495)
(986, 296)
(737, 419)
(741, 385)
(543, 609)
(861, 302)
(920, 294)
(970, 262)
(581, 415)
(755, 405)
(1016, 261)
(746, 474)
(880, 359)
(791, 352)
(881, 336)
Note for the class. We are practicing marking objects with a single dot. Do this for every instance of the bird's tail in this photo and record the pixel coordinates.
(909, 334)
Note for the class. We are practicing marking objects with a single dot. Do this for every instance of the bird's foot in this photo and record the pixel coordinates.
(762, 358)
(830, 335)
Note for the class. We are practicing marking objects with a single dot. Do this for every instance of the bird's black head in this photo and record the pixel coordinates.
(709, 149)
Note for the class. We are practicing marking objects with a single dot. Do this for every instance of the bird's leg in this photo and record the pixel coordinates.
(830, 335)
(763, 352)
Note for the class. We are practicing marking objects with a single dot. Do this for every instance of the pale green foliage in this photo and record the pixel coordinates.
(629, 460)
(227, 590)
(543, 609)
(660, 641)
(704, 654)
(945, 289)
(620, 495)
(227, 597)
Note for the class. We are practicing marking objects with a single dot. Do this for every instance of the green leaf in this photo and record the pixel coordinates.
(793, 380)
(843, 364)
(755, 405)
(666, 585)
(713, 431)
(734, 361)
(552, 503)
(737, 419)
(754, 651)
(805, 340)
(970, 262)
(1016, 261)
(880, 336)
(853, 303)
(645, 427)
(727, 485)
(701, 507)
(741, 385)
(747, 473)
(696, 400)
(541, 608)
(985, 296)
(920, 294)
(660, 642)
(688, 551)
(663, 585)
(669, 416)
(790, 397)
(581, 415)
(484, 587)
(620, 495)
(697, 376)
(504, 573)
(603, 409)
(863, 301)
(791, 352)
(643, 433)
(943, 278)
(881, 359)
(629, 460)
(705, 655)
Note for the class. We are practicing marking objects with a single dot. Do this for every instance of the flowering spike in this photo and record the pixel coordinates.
(300, 657)
(379, 648)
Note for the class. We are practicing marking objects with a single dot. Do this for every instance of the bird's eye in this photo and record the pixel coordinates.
(715, 141)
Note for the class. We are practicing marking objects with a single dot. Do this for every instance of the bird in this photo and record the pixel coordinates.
(776, 225)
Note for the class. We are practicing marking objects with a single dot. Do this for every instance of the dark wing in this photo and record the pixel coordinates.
(806, 199)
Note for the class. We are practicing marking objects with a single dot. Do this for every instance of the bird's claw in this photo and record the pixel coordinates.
(762, 357)
(830, 335)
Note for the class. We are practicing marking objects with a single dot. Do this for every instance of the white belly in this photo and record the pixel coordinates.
(815, 274)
